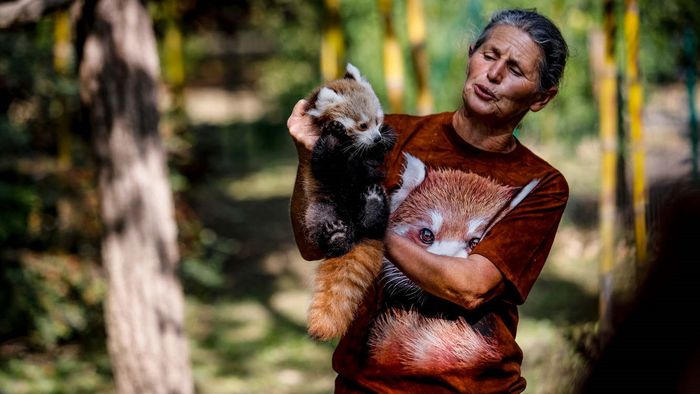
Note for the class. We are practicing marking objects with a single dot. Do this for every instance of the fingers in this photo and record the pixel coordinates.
(297, 112)
(300, 126)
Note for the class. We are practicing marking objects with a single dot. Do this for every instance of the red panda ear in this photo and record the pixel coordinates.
(325, 98)
(352, 72)
(518, 194)
(413, 174)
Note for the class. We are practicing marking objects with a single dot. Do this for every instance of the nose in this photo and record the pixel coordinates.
(495, 72)
(377, 139)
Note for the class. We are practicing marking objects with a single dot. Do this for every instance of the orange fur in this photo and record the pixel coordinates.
(412, 343)
(341, 283)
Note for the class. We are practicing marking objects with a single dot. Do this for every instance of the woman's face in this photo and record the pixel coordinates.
(503, 77)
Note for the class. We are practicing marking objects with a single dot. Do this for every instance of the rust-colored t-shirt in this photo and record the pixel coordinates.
(518, 246)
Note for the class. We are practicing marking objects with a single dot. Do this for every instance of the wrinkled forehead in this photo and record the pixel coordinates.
(515, 42)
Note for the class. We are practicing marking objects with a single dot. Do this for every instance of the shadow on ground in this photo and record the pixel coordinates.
(560, 301)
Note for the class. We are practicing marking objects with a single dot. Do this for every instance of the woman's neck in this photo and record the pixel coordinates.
(483, 136)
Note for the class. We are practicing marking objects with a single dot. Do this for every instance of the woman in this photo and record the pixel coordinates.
(514, 67)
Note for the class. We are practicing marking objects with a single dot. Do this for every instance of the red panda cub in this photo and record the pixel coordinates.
(349, 209)
(447, 212)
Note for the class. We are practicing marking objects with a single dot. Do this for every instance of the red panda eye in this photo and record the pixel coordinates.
(473, 242)
(362, 126)
(426, 236)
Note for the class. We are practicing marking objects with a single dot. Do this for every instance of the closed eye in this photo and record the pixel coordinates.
(516, 71)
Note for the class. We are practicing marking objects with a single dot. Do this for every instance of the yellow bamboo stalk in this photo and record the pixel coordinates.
(393, 60)
(173, 63)
(635, 98)
(173, 56)
(62, 42)
(608, 138)
(419, 56)
(332, 44)
(62, 50)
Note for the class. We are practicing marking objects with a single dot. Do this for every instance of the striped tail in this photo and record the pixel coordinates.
(341, 284)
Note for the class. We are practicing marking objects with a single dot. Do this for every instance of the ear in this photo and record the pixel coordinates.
(353, 72)
(413, 175)
(326, 97)
(543, 99)
(519, 195)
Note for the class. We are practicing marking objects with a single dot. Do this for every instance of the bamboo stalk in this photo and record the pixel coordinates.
(62, 50)
(419, 55)
(635, 97)
(332, 44)
(393, 60)
(608, 129)
(174, 66)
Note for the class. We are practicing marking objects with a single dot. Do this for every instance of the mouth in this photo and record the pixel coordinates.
(484, 93)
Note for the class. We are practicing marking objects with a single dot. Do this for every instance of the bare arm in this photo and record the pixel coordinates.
(467, 282)
(304, 135)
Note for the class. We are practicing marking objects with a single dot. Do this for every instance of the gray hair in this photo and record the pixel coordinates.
(543, 32)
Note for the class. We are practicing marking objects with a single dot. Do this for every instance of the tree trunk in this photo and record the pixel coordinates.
(144, 307)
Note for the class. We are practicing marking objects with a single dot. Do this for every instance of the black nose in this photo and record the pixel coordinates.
(377, 139)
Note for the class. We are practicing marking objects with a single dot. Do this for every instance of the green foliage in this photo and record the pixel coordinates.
(17, 200)
(664, 25)
(51, 297)
(51, 285)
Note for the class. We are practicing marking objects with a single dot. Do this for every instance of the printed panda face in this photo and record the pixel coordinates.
(445, 211)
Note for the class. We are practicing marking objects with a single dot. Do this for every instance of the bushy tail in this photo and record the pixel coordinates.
(409, 342)
(341, 283)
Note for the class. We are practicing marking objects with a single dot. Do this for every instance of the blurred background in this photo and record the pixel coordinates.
(230, 73)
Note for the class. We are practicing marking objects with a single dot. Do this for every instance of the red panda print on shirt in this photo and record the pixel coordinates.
(447, 212)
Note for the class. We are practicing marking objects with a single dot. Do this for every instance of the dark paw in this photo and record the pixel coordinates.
(375, 214)
(337, 238)
(333, 128)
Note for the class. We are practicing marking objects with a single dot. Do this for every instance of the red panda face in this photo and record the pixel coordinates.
(446, 211)
(352, 102)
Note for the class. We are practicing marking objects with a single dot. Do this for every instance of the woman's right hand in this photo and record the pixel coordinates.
(301, 128)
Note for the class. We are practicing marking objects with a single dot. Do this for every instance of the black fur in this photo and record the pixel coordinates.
(347, 177)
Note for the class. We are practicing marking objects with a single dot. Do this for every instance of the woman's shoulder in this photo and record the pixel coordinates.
(551, 179)
(405, 122)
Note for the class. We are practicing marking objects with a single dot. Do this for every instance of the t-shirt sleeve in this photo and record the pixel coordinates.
(520, 242)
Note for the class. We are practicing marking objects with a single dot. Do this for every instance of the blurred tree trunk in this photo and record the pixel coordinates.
(144, 308)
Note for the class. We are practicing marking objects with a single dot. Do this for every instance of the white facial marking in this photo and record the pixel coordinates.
(437, 220)
(367, 137)
(400, 229)
(346, 122)
(449, 248)
(474, 224)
